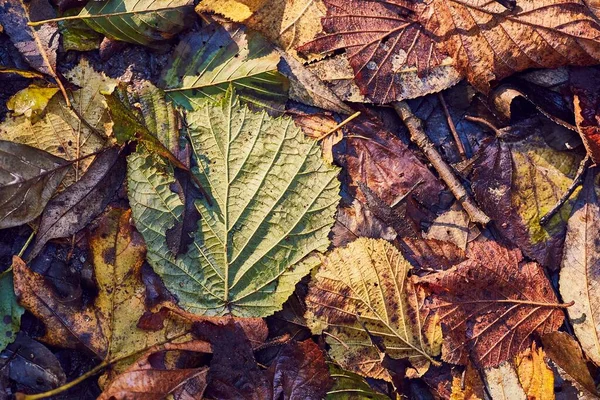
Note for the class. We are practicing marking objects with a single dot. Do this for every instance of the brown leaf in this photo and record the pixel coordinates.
(491, 304)
(72, 209)
(486, 41)
(145, 381)
(587, 108)
(565, 352)
(467, 386)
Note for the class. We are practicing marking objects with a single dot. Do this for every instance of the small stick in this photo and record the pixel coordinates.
(486, 123)
(459, 143)
(419, 137)
(574, 185)
(340, 125)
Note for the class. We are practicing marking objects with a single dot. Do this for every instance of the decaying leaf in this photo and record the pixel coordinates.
(468, 386)
(364, 288)
(586, 103)
(350, 386)
(206, 63)
(31, 101)
(108, 327)
(565, 352)
(72, 209)
(28, 178)
(536, 378)
(580, 268)
(485, 310)
(485, 41)
(273, 200)
(10, 311)
(516, 184)
(141, 22)
(60, 131)
(144, 379)
(503, 382)
(299, 370)
(288, 23)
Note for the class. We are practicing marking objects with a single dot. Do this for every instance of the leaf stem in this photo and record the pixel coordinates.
(340, 125)
(511, 301)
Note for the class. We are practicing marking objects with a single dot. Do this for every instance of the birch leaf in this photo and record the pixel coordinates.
(273, 202)
(367, 283)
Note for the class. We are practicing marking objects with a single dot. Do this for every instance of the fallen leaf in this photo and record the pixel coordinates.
(566, 353)
(144, 380)
(364, 288)
(108, 327)
(452, 226)
(273, 200)
(486, 310)
(287, 23)
(31, 102)
(468, 386)
(350, 386)
(206, 63)
(60, 131)
(10, 311)
(299, 370)
(587, 105)
(382, 37)
(516, 184)
(28, 179)
(536, 378)
(141, 22)
(31, 365)
(503, 382)
(580, 265)
(72, 209)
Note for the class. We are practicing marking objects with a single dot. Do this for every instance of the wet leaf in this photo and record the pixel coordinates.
(28, 178)
(536, 378)
(516, 184)
(287, 23)
(206, 63)
(141, 22)
(10, 311)
(273, 200)
(485, 313)
(365, 286)
(72, 209)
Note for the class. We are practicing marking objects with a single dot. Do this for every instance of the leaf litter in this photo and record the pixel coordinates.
(299, 200)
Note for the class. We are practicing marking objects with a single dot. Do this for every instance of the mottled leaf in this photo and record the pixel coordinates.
(364, 288)
(28, 178)
(502, 382)
(486, 312)
(516, 184)
(206, 63)
(273, 200)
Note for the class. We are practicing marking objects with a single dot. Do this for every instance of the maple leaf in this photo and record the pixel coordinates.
(486, 41)
(485, 308)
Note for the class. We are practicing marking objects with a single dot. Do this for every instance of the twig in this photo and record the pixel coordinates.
(486, 123)
(340, 125)
(574, 185)
(459, 143)
(419, 137)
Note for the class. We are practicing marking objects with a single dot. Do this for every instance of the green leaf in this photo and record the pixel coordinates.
(273, 203)
(204, 64)
(138, 21)
(10, 311)
(28, 178)
(350, 386)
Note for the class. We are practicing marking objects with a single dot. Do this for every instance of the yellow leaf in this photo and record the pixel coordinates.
(536, 378)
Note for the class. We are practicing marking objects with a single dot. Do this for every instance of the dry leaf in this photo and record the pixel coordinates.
(536, 378)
